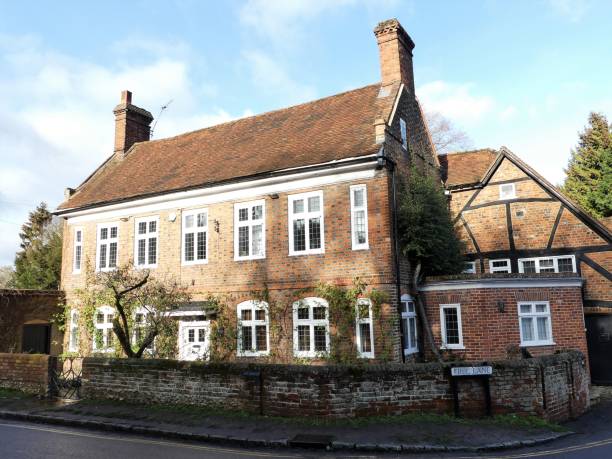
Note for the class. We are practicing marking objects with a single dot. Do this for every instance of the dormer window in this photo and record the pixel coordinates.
(507, 191)
(404, 133)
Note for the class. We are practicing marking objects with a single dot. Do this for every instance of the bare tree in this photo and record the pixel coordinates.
(445, 135)
(6, 276)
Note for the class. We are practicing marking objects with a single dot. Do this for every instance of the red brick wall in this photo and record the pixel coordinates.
(488, 333)
(26, 372)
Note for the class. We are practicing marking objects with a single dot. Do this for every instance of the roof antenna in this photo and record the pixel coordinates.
(163, 107)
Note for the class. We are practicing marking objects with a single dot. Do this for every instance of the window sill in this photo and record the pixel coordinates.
(76, 273)
(145, 267)
(194, 263)
(310, 252)
(260, 257)
(454, 347)
(538, 344)
(410, 351)
(366, 355)
(311, 355)
(361, 247)
(252, 354)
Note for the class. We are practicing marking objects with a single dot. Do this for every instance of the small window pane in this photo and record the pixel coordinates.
(246, 314)
(318, 313)
(112, 255)
(314, 232)
(364, 333)
(541, 308)
(303, 313)
(565, 265)
(261, 342)
(104, 233)
(189, 247)
(299, 235)
(243, 214)
(412, 328)
(360, 231)
(201, 219)
(298, 206)
(547, 266)
(257, 240)
(189, 221)
(77, 257)
(152, 226)
(529, 266)
(260, 314)
(100, 318)
(527, 327)
(141, 251)
(78, 236)
(358, 198)
(113, 232)
(103, 256)
(243, 241)
(314, 204)
(257, 212)
(525, 308)
(410, 306)
(142, 227)
(303, 338)
(152, 250)
(110, 338)
(363, 311)
(201, 245)
(320, 343)
(542, 323)
(191, 337)
(201, 335)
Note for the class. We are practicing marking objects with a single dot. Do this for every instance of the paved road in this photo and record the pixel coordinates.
(32, 441)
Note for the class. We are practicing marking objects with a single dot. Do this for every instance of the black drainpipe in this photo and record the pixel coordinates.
(384, 161)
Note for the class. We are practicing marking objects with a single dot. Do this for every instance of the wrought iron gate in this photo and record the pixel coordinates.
(65, 380)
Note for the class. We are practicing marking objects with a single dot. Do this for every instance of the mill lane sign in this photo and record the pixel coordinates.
(472, 371)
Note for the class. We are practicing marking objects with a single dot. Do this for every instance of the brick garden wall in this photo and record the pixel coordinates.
(27, 372)
(553, 387)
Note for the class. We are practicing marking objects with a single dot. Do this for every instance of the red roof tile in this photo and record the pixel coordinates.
(466, 167)
(333, 128)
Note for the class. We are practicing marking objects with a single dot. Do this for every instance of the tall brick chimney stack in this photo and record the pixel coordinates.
(132, 124)
(395, 47)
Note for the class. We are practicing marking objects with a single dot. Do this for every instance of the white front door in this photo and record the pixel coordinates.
(193, 340)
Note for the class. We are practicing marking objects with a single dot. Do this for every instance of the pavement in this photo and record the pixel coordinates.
(117, 435)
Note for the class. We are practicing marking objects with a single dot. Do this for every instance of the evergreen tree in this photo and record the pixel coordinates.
(589, 172)
(38, 264)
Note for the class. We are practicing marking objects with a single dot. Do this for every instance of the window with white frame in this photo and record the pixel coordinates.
(500, 266)
(359, 217)
(78, 250)
(310, 327)
(507, 191)
(404, 133)
(253, 329)
(364, 328)
(306, 228)
(470, 267)
(145, 242)
(409, 325)
(195, 236)
(557, 264)
(103, 340)
(140, 326)
(73, 338)
(450, 320)
(108, 247)
(249, 230)
(535, 325)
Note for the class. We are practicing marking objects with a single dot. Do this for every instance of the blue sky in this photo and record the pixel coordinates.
(523, 74)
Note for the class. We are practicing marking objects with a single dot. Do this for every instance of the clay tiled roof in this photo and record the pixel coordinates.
(333, 128)
(466, 167)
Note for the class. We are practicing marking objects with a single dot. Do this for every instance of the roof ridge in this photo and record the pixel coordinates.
(476, 150)
(263, 114)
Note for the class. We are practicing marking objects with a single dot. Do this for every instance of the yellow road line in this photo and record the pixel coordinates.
(550, 452)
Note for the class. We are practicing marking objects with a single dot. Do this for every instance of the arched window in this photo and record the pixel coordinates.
(103, 334)
(310, 327)
(409, 324)
(364, 329)
(253, 329)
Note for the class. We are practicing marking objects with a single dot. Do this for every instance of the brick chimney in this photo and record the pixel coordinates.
(395, 47)
(132, 124)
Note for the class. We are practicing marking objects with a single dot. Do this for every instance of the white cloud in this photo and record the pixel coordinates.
(508, 113)
(572, 10)
(455, 101)
(56, 121)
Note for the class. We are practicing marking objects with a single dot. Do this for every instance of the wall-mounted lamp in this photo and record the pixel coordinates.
(171, 217)
(274, 196)
(501, 306)
(216, 226)
(124, 219)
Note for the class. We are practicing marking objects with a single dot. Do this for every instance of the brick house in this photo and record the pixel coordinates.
(513, 221)
(285, 200)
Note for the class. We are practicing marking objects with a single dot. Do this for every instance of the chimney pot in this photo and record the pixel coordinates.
(126, 97)
(132, 124)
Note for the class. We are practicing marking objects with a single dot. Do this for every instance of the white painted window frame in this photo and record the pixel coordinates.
(250, 223)
(507, 195)
(367, 321)
(493, 269)
(406, 317)
(77, 245)
(146, 237)
(195, 230)
(555, 260)
(404, 133)
(253, 305)
(310, 303)
(534, 316)
(106, 327)
(445, 345)
(137, 325)
(354, 209)
(107, 242)
(470, 267)
(73, 338)
(306, 216)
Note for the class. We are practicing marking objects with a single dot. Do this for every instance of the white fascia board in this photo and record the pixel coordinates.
(230, 192)
(468, 284)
